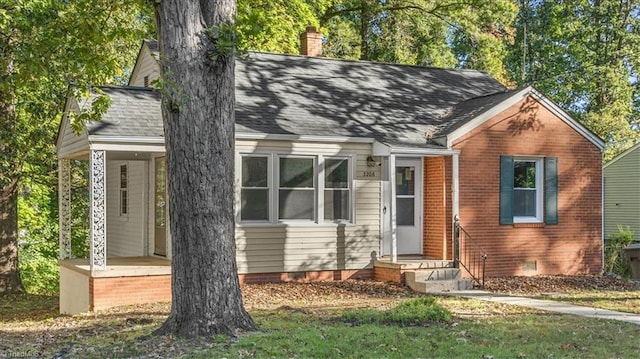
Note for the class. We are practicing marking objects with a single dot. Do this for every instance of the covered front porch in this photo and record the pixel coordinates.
(123, 281)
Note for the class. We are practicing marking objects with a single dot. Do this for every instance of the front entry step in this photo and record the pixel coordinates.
(437, 280)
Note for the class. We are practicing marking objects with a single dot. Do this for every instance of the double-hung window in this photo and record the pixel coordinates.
(528, 190)
(278, 188)
(254, 192)
(296, 188)
(124, 190)
(337, 190)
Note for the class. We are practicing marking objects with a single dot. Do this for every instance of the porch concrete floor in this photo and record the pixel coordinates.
(122, 266)
(410, 262)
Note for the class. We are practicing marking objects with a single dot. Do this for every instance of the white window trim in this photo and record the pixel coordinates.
(351, 188)
(315, 188)
(539, 217)
(273, 172)
(270, 186)
(123, 190)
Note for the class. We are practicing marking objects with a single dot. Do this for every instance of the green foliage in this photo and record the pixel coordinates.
(46, 46)
(415, 312)
(276, 25)
(99, 106)
(442, 33)
(585, 56)
(38, 238)
(615, 260)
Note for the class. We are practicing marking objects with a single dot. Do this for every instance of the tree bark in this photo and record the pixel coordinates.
(9, 274)
(198, 108)
(9, 174)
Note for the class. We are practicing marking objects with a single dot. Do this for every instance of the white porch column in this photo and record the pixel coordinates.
(98, 218)
(455, 189)
(392, 208)
(456, 203)
(64, 207)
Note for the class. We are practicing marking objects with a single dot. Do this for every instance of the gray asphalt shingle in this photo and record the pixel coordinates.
(298, 95)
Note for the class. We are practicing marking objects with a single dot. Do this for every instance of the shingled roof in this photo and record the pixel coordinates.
(299, 95)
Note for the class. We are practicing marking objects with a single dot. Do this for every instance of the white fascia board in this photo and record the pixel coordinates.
(127, 143)
(381, 149)
(303, 138)
(491, 113)
(120, 147)
(126, 139)
(622, 155)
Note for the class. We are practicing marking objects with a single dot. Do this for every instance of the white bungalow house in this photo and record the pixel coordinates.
(344, 169)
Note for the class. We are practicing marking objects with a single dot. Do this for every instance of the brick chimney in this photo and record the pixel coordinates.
(311, 42)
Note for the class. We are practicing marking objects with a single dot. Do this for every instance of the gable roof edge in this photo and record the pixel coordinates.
(562, 114)
(623, 154)
(486, 115)
(515, 98)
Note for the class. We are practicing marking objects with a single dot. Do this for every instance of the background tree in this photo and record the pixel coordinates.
(441, 33)
(585, 56)
(197, 46)
(46, 45)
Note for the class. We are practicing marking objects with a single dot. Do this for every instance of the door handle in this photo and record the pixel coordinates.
(384, 210)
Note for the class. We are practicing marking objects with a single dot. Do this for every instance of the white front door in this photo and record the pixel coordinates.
(408, 205)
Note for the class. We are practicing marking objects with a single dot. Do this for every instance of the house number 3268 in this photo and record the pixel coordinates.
(369, 173)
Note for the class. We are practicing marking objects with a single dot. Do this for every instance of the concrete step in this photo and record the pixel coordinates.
(437, 286)
(436, 274)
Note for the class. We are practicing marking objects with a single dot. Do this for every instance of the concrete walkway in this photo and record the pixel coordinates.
(548, 305)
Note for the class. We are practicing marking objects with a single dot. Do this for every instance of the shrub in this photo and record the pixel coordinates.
(416, 312)
(614, 259)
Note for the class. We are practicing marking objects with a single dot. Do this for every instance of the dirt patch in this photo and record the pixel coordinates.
(534, 286)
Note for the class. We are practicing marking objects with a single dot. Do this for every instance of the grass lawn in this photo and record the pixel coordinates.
(418, 327)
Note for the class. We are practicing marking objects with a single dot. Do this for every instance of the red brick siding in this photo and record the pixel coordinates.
(437, 208)
(384, 274)
(112, 292)
(574, 245)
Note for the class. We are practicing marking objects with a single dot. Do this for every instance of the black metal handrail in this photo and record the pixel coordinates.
(473, 259)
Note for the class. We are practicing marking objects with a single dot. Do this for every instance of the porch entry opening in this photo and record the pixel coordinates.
(160, 208)
(408, 204)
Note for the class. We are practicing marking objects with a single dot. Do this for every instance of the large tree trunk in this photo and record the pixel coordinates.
(198, 109)
(9, 274)
(9, 164)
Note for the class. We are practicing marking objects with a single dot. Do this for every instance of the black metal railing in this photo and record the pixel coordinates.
(470, 256)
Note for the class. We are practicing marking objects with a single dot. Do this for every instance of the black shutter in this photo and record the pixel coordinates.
(551, 190)
(506, 190)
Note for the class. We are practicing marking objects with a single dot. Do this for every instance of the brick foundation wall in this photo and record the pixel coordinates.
(574, 245)
(384, 274)
(309, 276)
(106, 292)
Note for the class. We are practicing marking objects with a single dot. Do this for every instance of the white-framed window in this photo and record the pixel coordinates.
(291, 188)
(124, 190)
(297, 188)
(337, 189)
(254, 190)
(528, 190)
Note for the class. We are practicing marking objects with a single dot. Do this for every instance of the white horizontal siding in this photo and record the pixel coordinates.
(126, 234)
(70, 143)
(299, 247)
(622, 194)
(146, 66)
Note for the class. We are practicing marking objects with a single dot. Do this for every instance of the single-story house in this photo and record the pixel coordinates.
(622, 192)
(344, 169)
